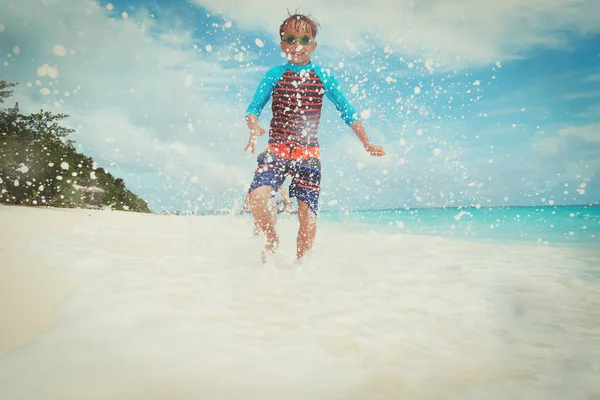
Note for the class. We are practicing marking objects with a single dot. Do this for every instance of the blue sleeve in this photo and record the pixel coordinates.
(264, 91)
(335, 94)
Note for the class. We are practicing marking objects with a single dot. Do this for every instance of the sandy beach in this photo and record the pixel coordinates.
(105, 304)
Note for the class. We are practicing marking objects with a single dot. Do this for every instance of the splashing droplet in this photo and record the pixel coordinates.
(188, 81)
(59, 50)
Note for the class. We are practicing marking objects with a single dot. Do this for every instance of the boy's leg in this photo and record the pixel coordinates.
(256, 231)
(259, 206)
(307, 230)
(268, 177)
(305, 186)
(273, 209)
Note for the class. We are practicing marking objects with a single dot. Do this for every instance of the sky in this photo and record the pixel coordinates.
(476, 103)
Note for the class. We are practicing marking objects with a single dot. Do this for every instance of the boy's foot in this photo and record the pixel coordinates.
(265, 256)
(268, 251)
(274, 260)
(299, 261)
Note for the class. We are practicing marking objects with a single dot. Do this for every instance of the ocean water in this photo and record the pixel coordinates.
(551, 225)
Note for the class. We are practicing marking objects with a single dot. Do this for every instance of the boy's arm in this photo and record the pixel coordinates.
(348, 113)
(261, 97)
(253, 126)
(263, 92)
(255, 130)
(372, 149)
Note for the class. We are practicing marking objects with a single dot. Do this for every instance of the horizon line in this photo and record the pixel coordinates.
(474, 207)
(235, 211)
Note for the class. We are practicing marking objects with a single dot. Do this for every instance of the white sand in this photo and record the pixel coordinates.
(30, 284)
(113, 305)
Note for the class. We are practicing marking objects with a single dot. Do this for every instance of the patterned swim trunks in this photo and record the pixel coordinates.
(305, 173)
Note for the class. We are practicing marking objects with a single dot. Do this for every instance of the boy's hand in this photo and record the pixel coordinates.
(374, 149)
(257, 131)
(250, 144)
(289, 207)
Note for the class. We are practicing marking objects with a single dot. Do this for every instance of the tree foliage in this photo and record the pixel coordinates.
(40, 166)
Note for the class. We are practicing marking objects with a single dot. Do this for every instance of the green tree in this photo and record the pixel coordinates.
(40, 166)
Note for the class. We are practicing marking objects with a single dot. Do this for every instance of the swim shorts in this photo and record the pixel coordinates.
(305, 173)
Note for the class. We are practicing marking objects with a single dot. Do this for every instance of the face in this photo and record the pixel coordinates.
(297, 52)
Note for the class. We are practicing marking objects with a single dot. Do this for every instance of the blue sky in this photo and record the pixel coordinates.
(476, 103)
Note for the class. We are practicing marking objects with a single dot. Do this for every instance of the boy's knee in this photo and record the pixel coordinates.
(260, 195)
(306, 216)
(310, 211)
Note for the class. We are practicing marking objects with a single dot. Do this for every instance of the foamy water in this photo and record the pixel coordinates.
(179, 308)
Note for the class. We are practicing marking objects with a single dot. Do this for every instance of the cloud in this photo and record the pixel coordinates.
(428, 167)
(568, 155)
(587, 133)
(160, 100)
(550, 146)
(581, 95)
(592, 78)
(591, 112)
(463, 32)
(147, 103)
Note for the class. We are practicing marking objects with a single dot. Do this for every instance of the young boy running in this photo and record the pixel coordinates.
(297, 90)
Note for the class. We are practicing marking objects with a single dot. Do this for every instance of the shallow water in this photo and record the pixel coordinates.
(556, 225)
(179, 308)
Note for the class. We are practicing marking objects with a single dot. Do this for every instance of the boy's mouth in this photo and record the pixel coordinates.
(297, 51)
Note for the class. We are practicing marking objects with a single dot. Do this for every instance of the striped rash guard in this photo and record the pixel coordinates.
(297, 97)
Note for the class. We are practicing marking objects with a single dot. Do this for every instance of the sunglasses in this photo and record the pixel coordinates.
(291, 39)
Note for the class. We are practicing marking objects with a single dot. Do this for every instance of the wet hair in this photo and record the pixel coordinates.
(298, 19)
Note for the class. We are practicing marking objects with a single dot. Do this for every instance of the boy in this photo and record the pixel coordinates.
(297, 90)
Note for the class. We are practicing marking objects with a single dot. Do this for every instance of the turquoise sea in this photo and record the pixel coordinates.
(555, 225)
